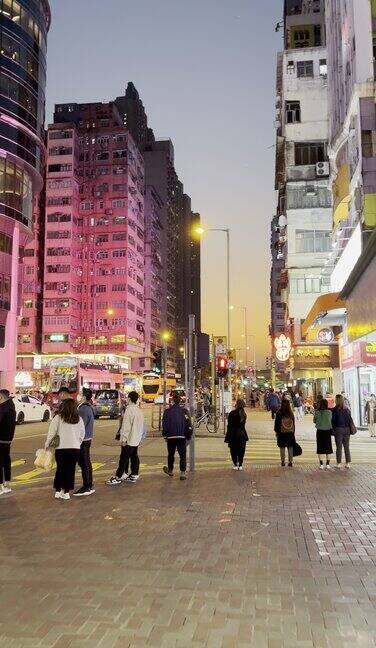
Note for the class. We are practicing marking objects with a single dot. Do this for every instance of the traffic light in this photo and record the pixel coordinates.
(157, 361)
(222, 367)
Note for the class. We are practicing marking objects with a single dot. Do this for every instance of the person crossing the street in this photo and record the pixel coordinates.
(7, 428)
(284, 427)
(85, 410)
(237, 436)
(132, 433)
(323, 421)
(177, 430)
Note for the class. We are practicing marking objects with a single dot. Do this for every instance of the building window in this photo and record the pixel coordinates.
(119, 187)
(119, 236)
(309, 153)
(119, 287)
(304, 69)
(119, 154)
(116, 254)
(303, 285)
(103, 155)
(323, 68)
(313, 241)
(292, 112)
(119, 203)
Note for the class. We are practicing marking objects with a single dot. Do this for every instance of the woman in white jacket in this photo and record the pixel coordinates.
(132, 433)
(69, 427)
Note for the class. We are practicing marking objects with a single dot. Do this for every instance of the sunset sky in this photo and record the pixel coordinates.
(205, 71)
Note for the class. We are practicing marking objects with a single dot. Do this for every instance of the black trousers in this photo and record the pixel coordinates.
(5, 463)
(66, 460)
(181, 446)
(128, 453)
(237, 451)
(84, 462)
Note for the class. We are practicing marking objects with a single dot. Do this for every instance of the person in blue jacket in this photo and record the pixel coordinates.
(177, 430)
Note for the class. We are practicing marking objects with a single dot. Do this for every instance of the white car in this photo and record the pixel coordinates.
(30, 409)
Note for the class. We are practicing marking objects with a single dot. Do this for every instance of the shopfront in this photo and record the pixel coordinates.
(315, 368)
(358, 365)
(358, 352)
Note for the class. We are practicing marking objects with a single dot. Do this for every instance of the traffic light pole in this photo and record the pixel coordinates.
(191, 389)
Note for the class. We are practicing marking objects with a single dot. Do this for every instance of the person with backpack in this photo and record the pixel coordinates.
(177, 430)
(132, 433)
(323, 421)
(85, 410)
(273, 402)
(284, 427)
(237, 436)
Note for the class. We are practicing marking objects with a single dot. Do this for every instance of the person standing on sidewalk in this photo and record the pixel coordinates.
(284, 427)
(237, 436)
(177, 430)
(85, 410)
(132, 433)
(67, 430)
(7, 427)
(341, 421)
(323, 421)
(298, 407)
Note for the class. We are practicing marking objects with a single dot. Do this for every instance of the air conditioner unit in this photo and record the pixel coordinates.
(108, 212)
(322, 169)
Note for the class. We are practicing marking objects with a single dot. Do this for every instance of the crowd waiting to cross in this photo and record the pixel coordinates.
(70, 435)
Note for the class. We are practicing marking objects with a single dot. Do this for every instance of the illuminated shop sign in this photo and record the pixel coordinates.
(283, 347)
(325, 335)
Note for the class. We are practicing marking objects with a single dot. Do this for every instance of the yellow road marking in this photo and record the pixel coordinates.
(27, 476)
(18, 462)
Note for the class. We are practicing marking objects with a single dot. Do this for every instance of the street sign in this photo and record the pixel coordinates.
(220, 344)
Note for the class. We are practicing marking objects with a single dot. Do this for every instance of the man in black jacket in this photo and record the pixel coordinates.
(177, 430)
(7, 427)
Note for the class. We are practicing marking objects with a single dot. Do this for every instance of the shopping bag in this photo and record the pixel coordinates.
(44, 459)
(297, 450)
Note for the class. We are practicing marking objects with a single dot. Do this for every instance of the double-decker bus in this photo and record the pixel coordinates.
(152, 385)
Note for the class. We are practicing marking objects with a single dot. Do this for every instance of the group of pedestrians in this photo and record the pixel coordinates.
(70, 436)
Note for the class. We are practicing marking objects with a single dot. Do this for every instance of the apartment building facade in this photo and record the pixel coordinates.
(24, 26)
(301, 229)
(180, 287)
(94, 289)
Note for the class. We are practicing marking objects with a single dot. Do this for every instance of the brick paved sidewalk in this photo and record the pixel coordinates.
(269, 558)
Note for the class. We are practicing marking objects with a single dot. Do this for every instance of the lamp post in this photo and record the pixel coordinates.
(244, 308)
(200, 231)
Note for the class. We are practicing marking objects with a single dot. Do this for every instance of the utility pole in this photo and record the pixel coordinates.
(214, 387)
(164, 362)
(191, 388)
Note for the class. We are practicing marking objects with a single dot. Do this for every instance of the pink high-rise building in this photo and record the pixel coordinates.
(93, 297)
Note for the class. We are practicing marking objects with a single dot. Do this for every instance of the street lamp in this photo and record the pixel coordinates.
(201, 231)
(244, 308)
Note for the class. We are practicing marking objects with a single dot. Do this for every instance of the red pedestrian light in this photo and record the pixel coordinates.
(222, 367)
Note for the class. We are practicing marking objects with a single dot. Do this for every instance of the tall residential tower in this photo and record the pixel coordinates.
(23, 33)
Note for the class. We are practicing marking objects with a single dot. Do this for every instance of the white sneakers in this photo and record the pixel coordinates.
(322, 467)
(4, 489)
(61, 495)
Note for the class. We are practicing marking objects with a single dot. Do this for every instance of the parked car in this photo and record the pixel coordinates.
(108, 402)
(30, 409)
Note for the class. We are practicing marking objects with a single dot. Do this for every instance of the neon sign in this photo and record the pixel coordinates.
(283, 347)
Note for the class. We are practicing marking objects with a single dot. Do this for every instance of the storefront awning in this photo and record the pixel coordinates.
(323, 304)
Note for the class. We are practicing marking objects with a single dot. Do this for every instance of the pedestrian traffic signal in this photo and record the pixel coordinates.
(157, 361)
(222, 367)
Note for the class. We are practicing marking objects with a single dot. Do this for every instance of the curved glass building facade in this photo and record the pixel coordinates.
(24, 26)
